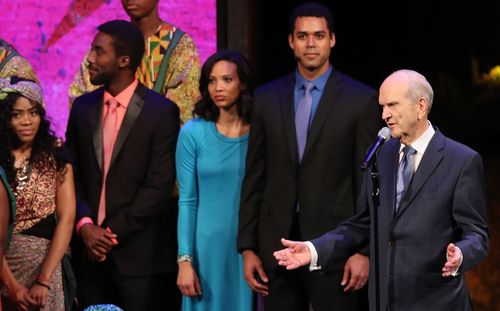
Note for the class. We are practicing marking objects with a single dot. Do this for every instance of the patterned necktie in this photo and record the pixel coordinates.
(302, 116)
(108, 141)
(405, 172)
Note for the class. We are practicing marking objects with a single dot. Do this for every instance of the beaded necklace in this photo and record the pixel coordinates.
(23, 174)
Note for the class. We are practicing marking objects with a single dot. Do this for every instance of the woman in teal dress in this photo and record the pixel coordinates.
(210, 163)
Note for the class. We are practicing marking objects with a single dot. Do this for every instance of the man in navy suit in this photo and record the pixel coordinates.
(302, 175)
(125, 174)
(431, 231)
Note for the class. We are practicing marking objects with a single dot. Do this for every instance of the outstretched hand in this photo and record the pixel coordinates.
(295, 255)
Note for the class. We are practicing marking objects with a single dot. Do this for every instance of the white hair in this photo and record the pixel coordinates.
(418, 86)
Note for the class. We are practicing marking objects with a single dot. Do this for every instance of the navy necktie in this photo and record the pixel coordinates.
(405, 172)
(302, 116)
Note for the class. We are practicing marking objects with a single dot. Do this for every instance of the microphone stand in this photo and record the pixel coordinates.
(376, 204)
(371, 160)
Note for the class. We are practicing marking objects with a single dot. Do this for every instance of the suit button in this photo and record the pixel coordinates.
(391, 244)
(385, 277)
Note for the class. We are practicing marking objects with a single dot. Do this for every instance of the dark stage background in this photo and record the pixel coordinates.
(455, 45)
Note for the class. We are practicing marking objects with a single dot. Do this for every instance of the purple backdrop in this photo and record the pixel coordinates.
(55, 34)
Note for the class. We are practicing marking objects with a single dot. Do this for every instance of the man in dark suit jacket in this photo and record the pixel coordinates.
(129, 253)
(283, 195)
(439, 229)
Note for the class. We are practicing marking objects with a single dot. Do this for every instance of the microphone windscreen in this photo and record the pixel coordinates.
(385, 133)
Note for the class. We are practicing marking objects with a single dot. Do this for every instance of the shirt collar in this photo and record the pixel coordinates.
(319, 82)
(124, 96)
(420, 145)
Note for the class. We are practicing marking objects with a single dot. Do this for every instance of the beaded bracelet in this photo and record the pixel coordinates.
(184, 258)
(42, 284)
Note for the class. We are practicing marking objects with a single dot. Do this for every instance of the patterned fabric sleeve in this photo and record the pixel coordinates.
(182, 78)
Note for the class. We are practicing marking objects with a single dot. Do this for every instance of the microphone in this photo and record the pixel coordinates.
(383, 135)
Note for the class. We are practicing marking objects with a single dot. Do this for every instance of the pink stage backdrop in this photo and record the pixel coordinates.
(55, 34)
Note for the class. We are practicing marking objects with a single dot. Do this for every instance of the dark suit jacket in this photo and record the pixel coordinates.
(445, 203)
(139, 181)
(326, 182)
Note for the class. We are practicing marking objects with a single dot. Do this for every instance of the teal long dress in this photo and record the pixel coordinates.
(210, 169)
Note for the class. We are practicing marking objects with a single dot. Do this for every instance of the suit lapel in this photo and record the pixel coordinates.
(288, 114)
(133, 110)
(96, 125)
(326, 103)
(430, 160)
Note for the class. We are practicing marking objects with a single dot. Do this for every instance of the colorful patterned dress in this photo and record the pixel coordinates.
(34, 226)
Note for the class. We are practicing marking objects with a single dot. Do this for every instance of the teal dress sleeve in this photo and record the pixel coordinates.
(12, 205)
(185, 163)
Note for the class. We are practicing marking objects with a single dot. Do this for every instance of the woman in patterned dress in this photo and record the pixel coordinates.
(43, 186)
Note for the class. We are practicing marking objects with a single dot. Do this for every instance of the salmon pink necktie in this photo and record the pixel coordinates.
(108, 141)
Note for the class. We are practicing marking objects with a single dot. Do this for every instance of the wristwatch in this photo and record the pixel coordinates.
(184, 258)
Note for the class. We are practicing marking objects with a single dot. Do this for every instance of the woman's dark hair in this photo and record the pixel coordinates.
(45, 141)
(205, 107)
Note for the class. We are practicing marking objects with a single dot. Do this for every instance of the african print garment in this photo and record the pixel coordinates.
(26, 253)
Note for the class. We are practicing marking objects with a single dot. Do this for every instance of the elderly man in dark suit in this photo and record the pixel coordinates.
(432, 215)
(122, 138)
(309, 132)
